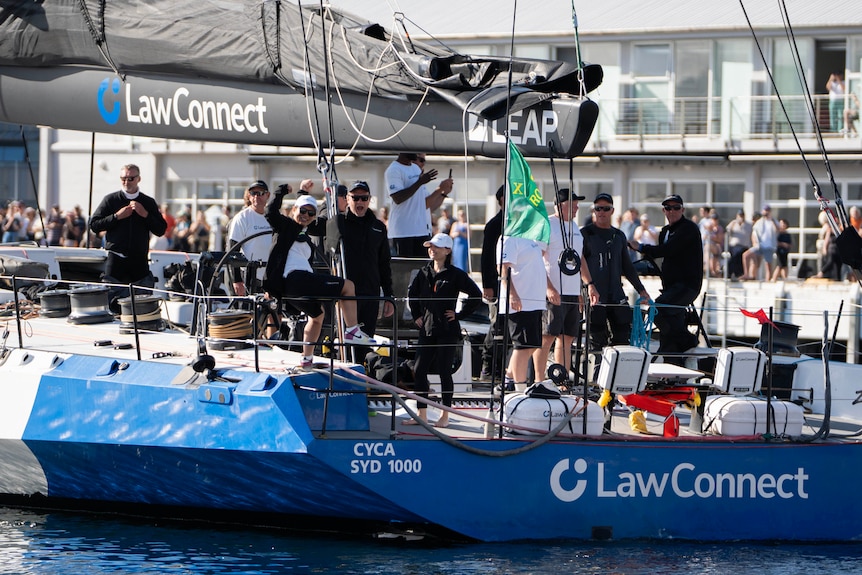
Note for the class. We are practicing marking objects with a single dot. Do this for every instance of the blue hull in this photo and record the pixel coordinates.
(584, 490)
(93, 433)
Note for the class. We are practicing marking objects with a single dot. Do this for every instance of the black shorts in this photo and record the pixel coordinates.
(563, 319)
(302, 283)
(525, 329)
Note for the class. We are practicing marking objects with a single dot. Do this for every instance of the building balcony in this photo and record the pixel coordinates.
(717, 126)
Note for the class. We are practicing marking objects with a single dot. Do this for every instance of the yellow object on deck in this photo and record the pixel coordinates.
(637, 420)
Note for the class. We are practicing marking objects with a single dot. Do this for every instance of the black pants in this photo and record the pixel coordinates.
(674, 336)
(439, 353)
(734, 265)
(126, 270)
(610, 323)
(494, 339)
(411, 247)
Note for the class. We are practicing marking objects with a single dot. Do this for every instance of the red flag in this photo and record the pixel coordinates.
(760, 316)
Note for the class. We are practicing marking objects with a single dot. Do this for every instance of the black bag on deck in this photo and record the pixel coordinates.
(380, 368)
(22, 268)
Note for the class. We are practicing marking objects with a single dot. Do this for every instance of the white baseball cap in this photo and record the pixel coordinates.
(440, 241)
(303, 201)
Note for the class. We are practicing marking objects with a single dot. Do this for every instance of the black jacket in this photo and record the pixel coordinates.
(493, 230)
(284, 232)
(129, 236)
(430, 294)
(607, 256)
(682, 249)
(366, 251)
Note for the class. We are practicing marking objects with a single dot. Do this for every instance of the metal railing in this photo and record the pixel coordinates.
(738, 117)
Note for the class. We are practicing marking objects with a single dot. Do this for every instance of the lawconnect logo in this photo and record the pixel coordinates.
(181, 108)
(569, 481)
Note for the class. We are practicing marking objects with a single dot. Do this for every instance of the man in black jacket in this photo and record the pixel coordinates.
(606, 254)
(680, 245)
(366, 256)
(128, 217)
(490, 288)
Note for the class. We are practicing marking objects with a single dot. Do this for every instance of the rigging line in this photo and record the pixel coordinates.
(327, 72)
(359, 129)
(276, 60)
(309, 85)
(431, 36)
(327, 169)
(98, 34)
(33, 182)
(813, 179)
(567, 233)
(582, 88)
(399, 17)
(791, 39)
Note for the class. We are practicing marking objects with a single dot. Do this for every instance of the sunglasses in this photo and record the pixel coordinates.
(673, 208)
(420, 160)
(307, 212)
(360, 198)
(128, 178)
(602, 208)
(257, 193)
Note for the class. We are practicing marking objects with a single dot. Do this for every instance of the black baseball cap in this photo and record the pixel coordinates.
(258, 184)
(360, 185)
(564, 195)
(606, 197)
(672, 199)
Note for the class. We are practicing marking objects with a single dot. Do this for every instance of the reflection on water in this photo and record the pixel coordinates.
(60, 543)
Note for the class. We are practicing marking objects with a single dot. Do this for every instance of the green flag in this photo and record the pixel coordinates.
(526, 216)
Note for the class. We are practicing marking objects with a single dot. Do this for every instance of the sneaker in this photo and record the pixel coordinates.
(507, 385)
(356, 336)
(306, 362)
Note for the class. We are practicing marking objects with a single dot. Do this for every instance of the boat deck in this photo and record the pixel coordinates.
(468, 420)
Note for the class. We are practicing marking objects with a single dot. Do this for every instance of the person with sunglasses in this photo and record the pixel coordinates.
(128, 217)
(565, 272)
(361, 239)
(250, 221)
(606, 254)
(289, 272)
(679, 243)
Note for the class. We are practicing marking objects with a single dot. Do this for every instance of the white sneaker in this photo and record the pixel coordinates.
(356, 336)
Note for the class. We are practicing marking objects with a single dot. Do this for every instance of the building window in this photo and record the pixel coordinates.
(794, 202)
(652, 105)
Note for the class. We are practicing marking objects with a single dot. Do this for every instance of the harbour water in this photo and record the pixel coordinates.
(43, 543)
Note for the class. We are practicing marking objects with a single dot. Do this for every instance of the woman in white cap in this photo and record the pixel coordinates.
(433, 297)
(289, 271)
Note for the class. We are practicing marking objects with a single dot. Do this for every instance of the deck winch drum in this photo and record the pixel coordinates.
(55, 303)
(90, 305)
(147, 310)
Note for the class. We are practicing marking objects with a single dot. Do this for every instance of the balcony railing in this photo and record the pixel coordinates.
(712, 118)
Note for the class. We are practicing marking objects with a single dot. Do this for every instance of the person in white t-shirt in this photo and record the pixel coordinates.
(412, 204)
(248, 222)
(562, 317)
(522, 297)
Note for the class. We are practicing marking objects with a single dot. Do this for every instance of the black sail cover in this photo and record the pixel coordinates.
(245, 71)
